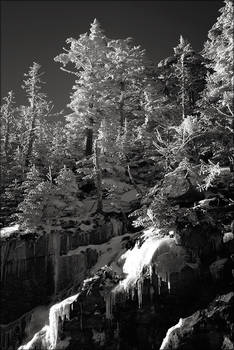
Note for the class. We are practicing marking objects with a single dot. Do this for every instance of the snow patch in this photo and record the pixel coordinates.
(108, 253)
(129, 196)
(228, 236)
(8, 231)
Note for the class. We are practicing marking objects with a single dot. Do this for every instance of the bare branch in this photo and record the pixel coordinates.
(69, 71)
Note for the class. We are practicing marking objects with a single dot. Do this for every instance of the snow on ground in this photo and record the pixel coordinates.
(129, 196)
(8, 231)
(109, 253)
(118, 185)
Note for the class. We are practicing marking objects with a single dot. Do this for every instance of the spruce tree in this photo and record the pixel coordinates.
(8, 125)
(217, 102)
(33, 210)
(66, 186)
(38, 107)
(87, 54)
(33, 178)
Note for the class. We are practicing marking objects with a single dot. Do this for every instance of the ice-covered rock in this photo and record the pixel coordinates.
(160, 253)
(199, 328)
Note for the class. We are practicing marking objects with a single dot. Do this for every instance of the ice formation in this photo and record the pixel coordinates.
(110, 302)
(228, 236)
(175, 333)
(56, 251)
(9, 230)
(39, 339)
(39, 318)
(48, 335)
(59, 311)
(170, 334)
(159, 252)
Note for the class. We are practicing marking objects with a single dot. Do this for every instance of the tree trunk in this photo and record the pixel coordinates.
(137, 188)
(6, 143)
(121, 104)
(98, 177)
(89, 139)
(30, 142)
(183, 88)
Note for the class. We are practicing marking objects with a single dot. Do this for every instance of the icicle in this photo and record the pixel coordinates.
(34, 249)
(57, 311)
(81, 316)
(150, 272)
(151, 293)
(169, 284)
(68, 243)
(108, 306)
(132, 290)
(159, 285)
(139, 292)
(116, 331)
(110, 300)
(162, 253)
(56, 252)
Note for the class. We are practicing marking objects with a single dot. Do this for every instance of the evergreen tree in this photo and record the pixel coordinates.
(87, 54)
(97, 176)
(127, 75)
(8, 125)
(111, 75)
(217, 102)
(33, 179)
(38, 107)
(66, 185)
(184, 77)
(33, 211)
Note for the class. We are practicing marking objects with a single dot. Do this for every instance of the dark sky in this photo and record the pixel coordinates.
(37, 30)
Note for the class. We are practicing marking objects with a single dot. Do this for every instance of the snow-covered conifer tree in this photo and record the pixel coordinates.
(218, 96)
(38, 107)
(66, 185)
(7, 124)
(87, 54)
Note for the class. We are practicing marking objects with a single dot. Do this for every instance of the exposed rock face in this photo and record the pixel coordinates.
(33, 270)
(27, 275)
(181, 186)
(211, 329)
(177, 286)
(101, 319)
